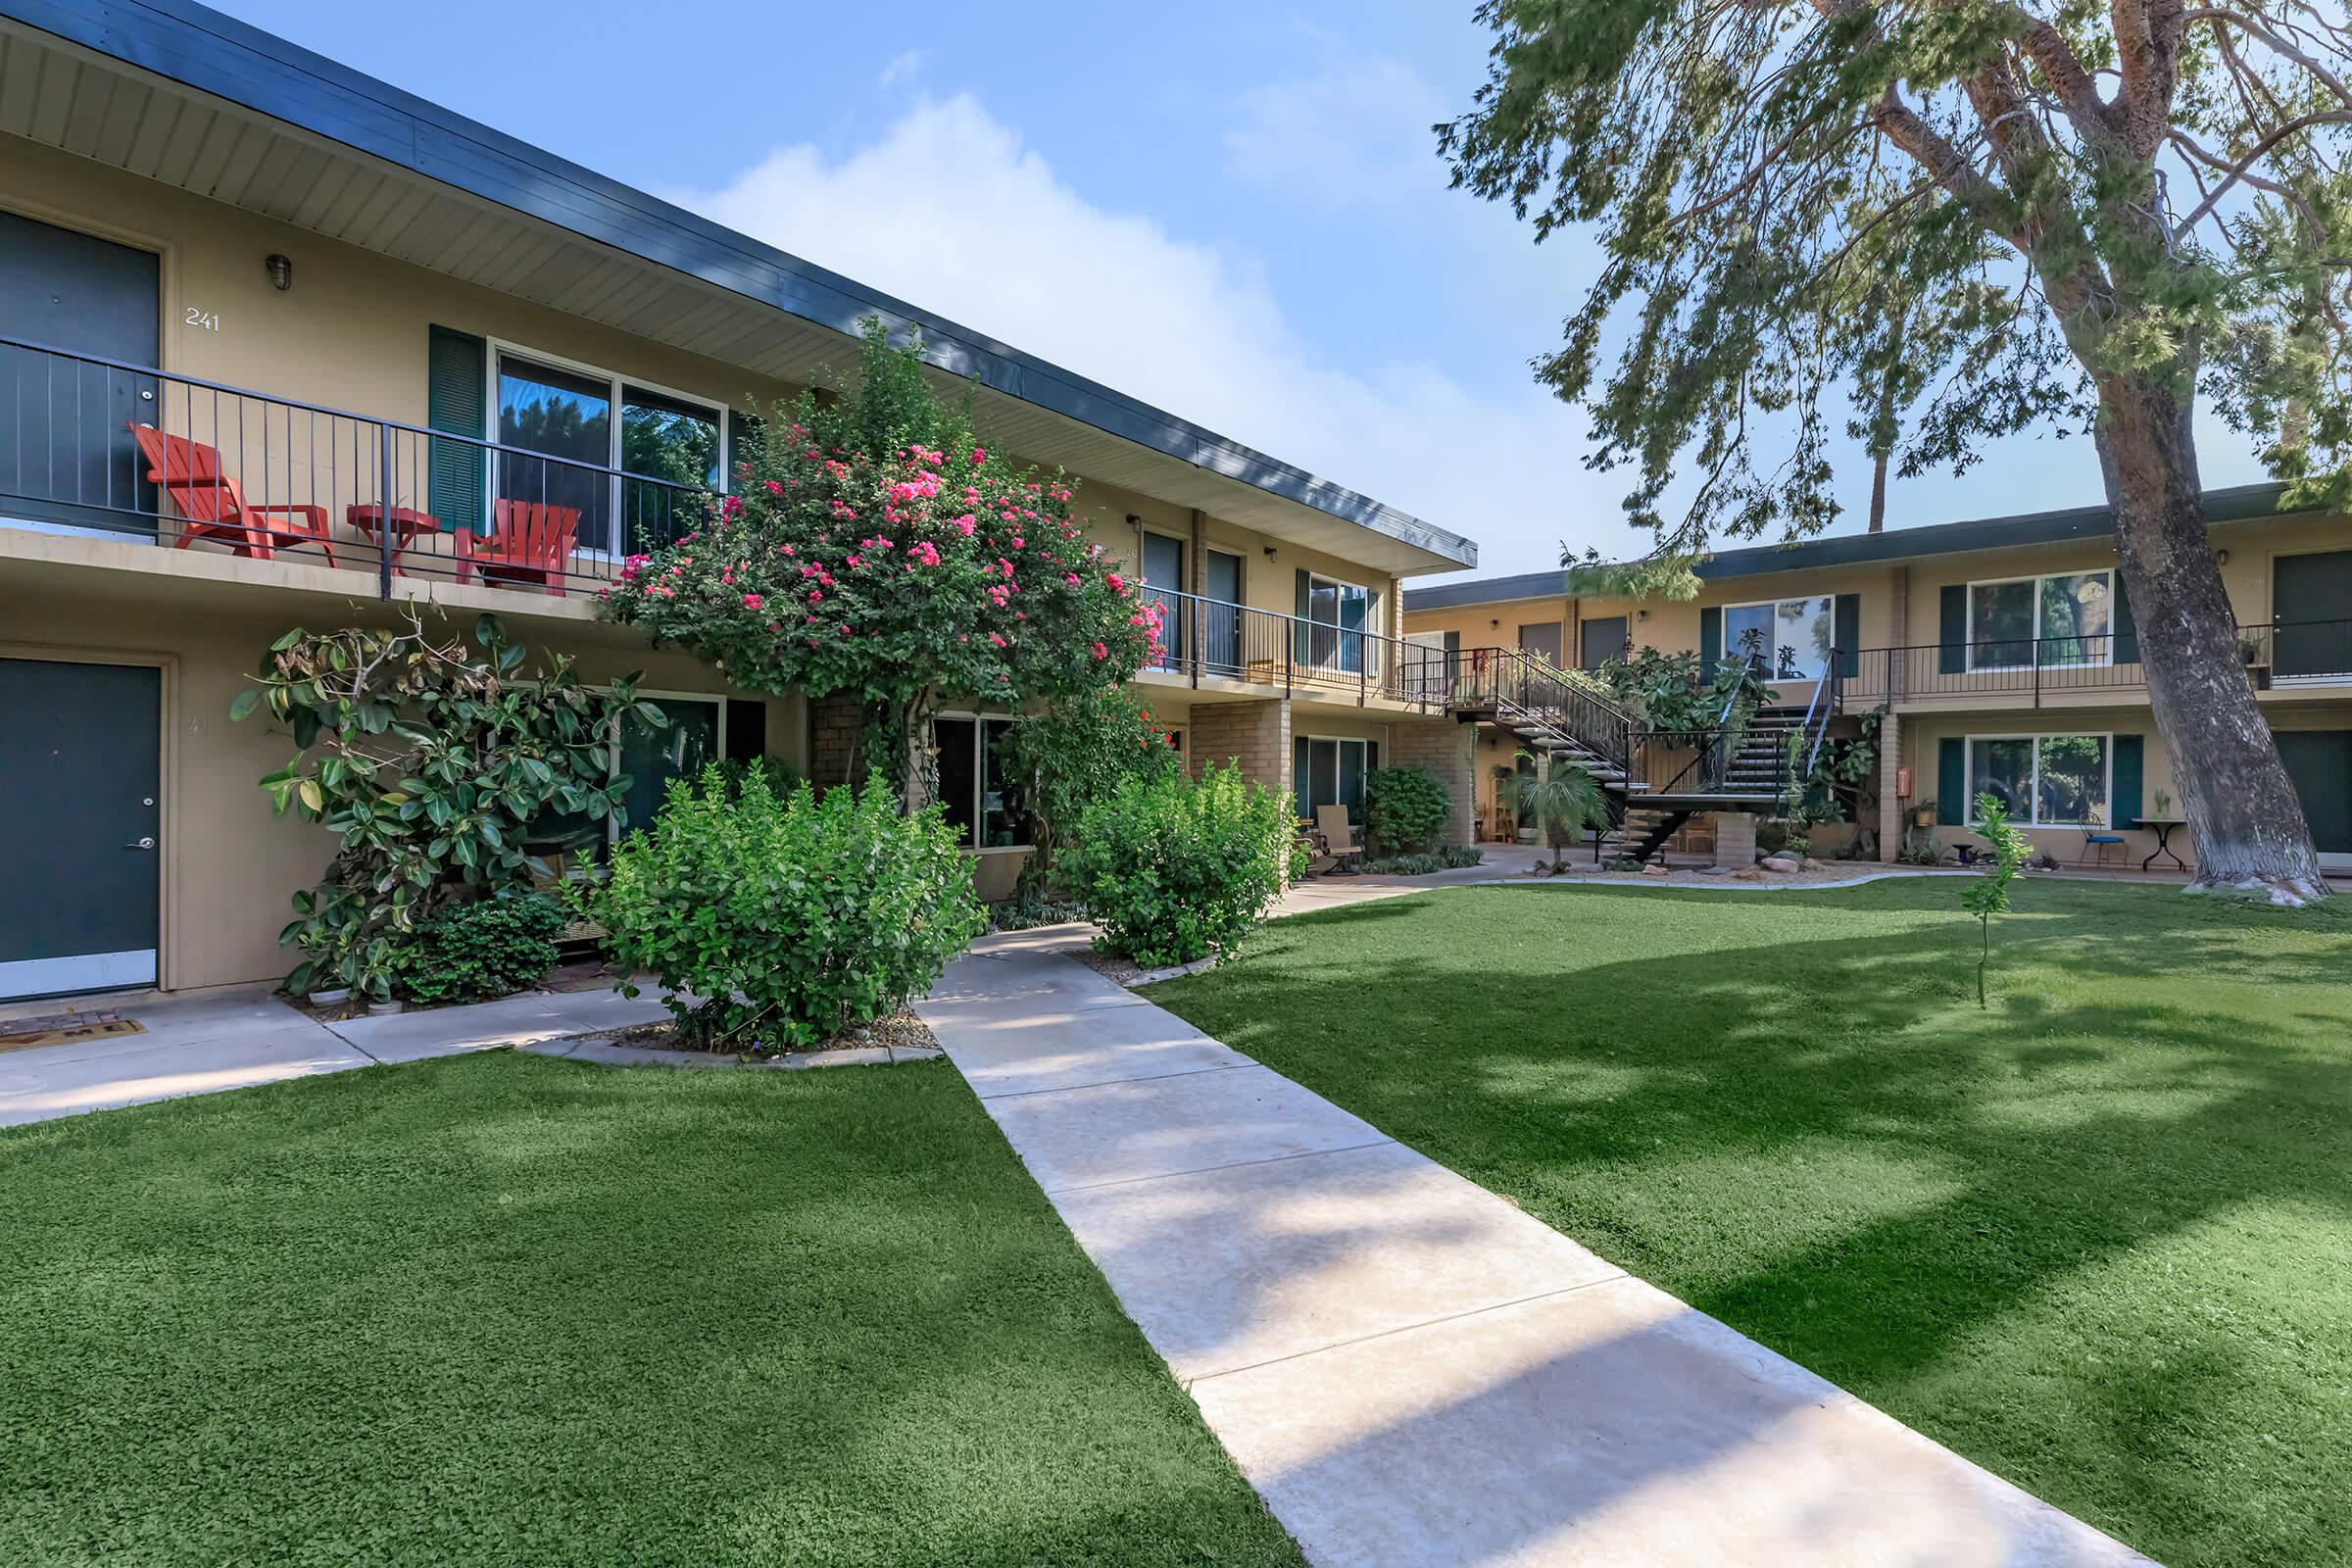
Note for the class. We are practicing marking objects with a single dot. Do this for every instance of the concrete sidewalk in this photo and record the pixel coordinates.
(198, 1044)
(1408, 1369)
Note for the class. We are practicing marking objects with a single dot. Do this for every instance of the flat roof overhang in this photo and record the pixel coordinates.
(200, 101)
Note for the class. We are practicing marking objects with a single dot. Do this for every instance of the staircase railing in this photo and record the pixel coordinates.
(1514, 683)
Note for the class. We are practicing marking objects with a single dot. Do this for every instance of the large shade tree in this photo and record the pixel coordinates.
(2097, 211)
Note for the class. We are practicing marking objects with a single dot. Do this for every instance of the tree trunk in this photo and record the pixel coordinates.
(919, 769)
(1878, 496)
(2244, 814)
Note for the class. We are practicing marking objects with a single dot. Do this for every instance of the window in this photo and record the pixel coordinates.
(2063, 620)
(1330, 772)
(673, 445)
(2043, 780)
(1789, 639)
(975, 790)
(700, 730)
(1338, 612)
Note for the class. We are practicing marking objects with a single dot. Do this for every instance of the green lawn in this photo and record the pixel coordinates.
(2098, 1239)
(502, 1308)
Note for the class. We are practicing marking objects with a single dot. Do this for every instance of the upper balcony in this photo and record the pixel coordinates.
(1213, 645)
(95, 448)
(2087, 671)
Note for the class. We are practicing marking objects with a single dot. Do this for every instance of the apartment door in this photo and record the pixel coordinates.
(1603, 639)
(1543, 640)
(2320, 761)
(1163, 583)
(69, 458)
(81, 773)
(1221, 616)
(2311, 600)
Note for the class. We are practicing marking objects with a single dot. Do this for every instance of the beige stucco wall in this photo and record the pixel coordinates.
(228, 866)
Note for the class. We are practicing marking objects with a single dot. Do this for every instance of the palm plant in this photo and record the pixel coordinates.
(1564, 800)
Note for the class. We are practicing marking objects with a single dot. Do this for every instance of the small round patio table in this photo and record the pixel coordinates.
(2162, 827)
(406, 524)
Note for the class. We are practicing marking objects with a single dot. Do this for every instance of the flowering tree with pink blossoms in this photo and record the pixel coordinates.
(873, 548)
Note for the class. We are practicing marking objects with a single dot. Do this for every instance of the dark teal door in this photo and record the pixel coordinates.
(2311, 600)
(81, 774)
(1221, 616)
(68, 455)
(2320, 761)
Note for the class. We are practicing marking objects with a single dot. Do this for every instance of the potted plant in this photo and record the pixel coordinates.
(2250, 653)
(1923, 813)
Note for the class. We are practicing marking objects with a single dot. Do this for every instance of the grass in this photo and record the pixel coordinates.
(2098, 1238)
(500, 1308)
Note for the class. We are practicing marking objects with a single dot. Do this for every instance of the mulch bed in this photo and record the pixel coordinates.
(901, 1030)
(1110, 965)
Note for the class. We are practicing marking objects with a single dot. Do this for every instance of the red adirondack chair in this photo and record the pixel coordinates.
(211, 506)
(533, 544)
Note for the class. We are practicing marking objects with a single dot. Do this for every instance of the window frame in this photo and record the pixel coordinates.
(616, 386)
(979, 721)
(1363, 771)
(1829, 604)
(2106, 738)
(1366, 659)
(2106, 658)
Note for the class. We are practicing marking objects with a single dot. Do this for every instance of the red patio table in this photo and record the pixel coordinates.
(406, 524)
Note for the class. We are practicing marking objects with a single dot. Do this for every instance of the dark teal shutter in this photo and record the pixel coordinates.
(2131, 771)
(1848, 629)
(2126, 630)
(458, 400)
(1710, 642)
(1300, 649)
(1303, 808)
(1953, 640)
(1951, 781)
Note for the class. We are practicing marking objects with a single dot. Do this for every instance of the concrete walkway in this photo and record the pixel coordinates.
(197, 1045)
(1410, 1371)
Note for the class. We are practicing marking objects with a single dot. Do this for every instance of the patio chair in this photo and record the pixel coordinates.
(2097, 843)
(532, 544)
(213, 506)
(1339, 838)
(1319, 857)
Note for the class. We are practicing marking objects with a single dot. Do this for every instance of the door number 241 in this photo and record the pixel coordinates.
(209, 320)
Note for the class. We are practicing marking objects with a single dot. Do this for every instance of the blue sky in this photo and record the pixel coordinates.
(1234, 211)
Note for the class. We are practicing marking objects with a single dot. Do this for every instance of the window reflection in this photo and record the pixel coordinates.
(663, 439)
(564, 414)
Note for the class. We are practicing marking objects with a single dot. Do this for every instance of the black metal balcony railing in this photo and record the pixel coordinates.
(1523, 690)
(95, 445)
(1209, 639)
(2033, 669)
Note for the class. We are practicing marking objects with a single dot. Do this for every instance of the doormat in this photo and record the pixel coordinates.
(64, 1029)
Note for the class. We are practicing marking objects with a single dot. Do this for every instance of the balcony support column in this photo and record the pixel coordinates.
(1890, 808)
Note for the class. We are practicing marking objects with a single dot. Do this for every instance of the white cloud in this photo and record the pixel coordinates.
(905, 66)
(1355, 134)
(951, 210)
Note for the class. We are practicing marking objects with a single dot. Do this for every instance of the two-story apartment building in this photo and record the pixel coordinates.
(282, 345)
(2003, 652)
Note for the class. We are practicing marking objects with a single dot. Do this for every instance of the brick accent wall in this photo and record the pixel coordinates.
(835, 723)
(1891, 810)
(1258, 734)
(1734, 839)
(1443, 747)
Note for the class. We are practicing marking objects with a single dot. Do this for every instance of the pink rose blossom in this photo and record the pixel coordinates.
(751, 601)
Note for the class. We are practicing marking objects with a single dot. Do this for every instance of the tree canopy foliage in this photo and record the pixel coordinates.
(1985, 205)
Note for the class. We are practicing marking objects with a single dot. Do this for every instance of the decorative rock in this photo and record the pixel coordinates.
(1748, 874)
(1653, 869)
(1780, 864)
(1811, 864)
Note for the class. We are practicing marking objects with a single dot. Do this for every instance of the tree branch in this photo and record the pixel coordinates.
(2234, 173)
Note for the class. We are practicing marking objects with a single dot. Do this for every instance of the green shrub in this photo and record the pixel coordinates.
(1404, 809)
(1174, 869)
(793, 917)
(1449, 857)
(473, 951)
